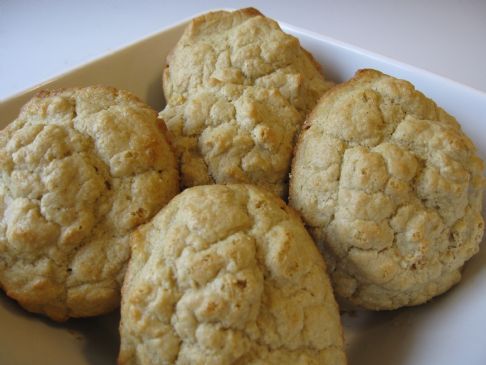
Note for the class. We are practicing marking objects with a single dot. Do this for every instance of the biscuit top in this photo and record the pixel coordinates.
(80, 168)
(246, 48)
(383, 175)
(238, 90)
(226, 275)
(232, 134)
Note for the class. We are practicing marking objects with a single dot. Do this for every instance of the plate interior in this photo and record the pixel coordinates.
(448, 330)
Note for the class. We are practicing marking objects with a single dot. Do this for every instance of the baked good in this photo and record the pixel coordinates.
(227, 274)
(391, 189)
(80, 169)
(242, 47)
(231, 134)
(237, 82)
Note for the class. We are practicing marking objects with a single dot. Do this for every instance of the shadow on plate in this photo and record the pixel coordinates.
(396, 337)
(96, 338)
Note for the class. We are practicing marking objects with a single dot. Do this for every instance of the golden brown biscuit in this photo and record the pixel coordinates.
(391, 190)
(227, 274)
(231, 133)
(80, 169)
(238, 90)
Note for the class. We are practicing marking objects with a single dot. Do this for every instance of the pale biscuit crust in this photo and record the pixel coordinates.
(231, 134)
(227, 274)
(239, 83)
(80, 169)
(391, 190)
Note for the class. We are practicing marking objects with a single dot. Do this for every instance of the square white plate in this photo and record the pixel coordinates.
(449, 330)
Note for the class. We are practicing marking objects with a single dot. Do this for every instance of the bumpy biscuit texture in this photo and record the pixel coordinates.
(80, 169)
(391, 189)
(238, 90)
(227, 274)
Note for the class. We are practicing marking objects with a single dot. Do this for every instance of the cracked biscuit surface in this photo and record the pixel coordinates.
(80, 169)
(238, 89)
(391, 190)
(227, 274)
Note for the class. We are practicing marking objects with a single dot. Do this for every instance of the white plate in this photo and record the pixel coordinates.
(449, 330)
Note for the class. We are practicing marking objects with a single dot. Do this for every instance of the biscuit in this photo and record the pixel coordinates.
(391, 190)
(80, 169)
(227, 274)
(237, 82)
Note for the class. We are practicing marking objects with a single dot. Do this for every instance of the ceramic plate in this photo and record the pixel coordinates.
(449, 330)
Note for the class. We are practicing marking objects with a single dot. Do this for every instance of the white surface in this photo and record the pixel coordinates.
(42, 38)
(448, 331)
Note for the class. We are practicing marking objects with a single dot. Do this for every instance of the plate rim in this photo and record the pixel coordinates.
(295, 30)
